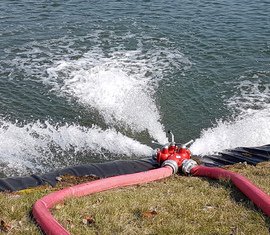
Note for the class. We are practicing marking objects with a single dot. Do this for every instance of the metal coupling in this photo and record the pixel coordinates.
(154, 154)
(187, 165)
(172, 164)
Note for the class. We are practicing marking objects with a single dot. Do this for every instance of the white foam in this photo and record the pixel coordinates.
(32, 146)
(251, 126)
(251, 96)
(247, 132)
(116, 87)
(118, 83)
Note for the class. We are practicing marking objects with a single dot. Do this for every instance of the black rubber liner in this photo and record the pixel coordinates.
(101, 170)
(251, 156)
(121, 167)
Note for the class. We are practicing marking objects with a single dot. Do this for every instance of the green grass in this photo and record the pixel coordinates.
(177, 205)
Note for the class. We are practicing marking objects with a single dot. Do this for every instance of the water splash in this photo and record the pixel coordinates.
(37, 146)
(250, 126)
(117, 83)
(117, 87)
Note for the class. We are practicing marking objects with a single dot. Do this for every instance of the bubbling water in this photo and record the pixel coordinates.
(35, 146)
(116, 83)
(116, 87)
(249, 128)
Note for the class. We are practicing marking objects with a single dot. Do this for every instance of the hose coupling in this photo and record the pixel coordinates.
(187, 165)
(172, 164)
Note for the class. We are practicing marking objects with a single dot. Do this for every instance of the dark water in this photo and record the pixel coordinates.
(104, 78)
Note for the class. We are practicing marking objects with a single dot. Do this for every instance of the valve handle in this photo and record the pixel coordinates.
(188, 143)
(154, 142)
(172, 136)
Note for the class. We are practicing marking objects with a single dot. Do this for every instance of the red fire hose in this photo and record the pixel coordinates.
(41, 209)
(176, 156)
(171, 157)
(255, 194)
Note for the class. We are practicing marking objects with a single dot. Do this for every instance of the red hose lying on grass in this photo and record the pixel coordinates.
(256, 195)
(50, 225)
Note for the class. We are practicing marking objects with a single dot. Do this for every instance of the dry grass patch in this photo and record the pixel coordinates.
(178, 205)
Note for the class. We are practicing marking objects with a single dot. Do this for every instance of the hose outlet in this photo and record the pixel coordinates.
(173, 154)
(187, 165)
(171, 163)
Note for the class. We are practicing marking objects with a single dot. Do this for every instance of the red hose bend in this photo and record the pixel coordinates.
(51, 226)
(255, 194)
(41, 209)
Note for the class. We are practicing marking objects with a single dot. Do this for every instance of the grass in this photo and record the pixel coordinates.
(177, 205)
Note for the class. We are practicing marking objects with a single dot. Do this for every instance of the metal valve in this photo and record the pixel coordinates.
(173, 154)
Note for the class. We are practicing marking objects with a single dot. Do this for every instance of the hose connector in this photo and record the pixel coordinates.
(187, 165)
(173, 164)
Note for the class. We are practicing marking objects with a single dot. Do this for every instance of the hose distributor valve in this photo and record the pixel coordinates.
(173, 154)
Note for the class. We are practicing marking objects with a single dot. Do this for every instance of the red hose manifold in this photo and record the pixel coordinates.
(173, 155)
(179, 157)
